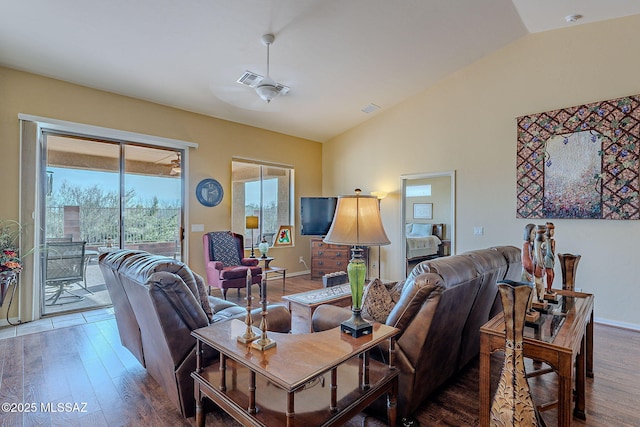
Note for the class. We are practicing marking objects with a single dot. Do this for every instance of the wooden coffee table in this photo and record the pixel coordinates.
(339, 295)
(286, 384)
(562, 338)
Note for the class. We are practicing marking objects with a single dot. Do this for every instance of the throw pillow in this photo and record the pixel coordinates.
(202, 293)
(224, 248)
(395, 290)
(377, 302)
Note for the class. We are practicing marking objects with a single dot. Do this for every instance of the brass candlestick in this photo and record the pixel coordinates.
(264, 343)
(249, 335)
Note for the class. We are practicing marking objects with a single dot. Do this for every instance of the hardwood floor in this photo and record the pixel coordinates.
(85, 367)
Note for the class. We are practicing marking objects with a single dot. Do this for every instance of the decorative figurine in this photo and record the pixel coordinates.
(539, 270)
(528, 267)
(549, 261)
(527, 253)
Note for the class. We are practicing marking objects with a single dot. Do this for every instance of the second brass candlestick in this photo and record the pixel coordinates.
(249, 335)
(264, 343)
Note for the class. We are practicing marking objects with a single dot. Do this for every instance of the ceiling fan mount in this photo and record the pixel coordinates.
(265, 87)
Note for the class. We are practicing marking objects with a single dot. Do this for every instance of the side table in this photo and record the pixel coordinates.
(266, 269)
(284, 384)
(564, 341)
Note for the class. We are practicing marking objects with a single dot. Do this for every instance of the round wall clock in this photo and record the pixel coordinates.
(209, 192)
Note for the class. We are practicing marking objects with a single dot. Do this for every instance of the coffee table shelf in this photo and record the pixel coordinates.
(323, 378)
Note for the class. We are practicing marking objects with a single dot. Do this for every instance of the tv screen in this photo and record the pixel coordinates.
(316, 215)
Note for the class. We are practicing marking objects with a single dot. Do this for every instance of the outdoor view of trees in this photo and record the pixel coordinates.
(144, 220)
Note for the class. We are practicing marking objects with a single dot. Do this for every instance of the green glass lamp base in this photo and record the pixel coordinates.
(356, 326)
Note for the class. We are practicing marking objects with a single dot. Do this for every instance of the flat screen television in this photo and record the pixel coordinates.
(316, 214)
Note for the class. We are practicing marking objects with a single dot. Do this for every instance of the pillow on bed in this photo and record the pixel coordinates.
(408, 228)
(422, 230)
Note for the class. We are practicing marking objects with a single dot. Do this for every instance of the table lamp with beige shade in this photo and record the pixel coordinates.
(357, 223)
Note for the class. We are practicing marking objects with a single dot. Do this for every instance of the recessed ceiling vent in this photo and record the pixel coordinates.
(370, 108)
(251, 79)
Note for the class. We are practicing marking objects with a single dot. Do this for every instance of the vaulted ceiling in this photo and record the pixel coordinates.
(337, 56)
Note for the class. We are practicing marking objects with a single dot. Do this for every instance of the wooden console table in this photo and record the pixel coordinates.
(563, 337)
(286, 384)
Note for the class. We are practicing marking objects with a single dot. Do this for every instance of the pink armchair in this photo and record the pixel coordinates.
(225, 264)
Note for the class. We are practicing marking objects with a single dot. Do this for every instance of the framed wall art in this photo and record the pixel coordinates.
(423, 211)
(284, 236)
(580, 162)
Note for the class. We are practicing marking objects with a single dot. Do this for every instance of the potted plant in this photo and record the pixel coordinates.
(10, 261)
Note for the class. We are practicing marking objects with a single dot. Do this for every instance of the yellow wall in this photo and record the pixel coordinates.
(467, 124)
(218, 141)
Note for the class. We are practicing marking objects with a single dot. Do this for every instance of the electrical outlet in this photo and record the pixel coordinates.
(301, 260)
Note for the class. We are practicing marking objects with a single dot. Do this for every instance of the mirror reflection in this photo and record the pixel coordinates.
(428, 216)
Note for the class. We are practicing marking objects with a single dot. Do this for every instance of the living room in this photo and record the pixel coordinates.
(465, 123)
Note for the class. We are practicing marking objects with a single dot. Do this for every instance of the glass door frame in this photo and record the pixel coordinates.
(33, 182)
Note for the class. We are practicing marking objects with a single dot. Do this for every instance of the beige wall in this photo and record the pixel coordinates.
(467, 124)
(218, 141)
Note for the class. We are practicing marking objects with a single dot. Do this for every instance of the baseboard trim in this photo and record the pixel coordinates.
(297, 273)
(616, 324)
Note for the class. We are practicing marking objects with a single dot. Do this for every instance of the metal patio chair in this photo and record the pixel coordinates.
(64, 267)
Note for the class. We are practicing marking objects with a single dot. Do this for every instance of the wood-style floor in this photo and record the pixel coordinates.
(86, 368)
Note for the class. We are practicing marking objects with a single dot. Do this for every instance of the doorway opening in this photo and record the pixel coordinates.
(428, 217)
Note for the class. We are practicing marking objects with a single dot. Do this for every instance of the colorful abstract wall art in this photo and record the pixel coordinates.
(580, 162)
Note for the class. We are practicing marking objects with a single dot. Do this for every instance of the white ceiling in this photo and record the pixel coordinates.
(337, 56)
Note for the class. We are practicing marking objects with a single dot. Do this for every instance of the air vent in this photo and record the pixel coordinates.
(282, 89)
(370, 108)
(250, 79)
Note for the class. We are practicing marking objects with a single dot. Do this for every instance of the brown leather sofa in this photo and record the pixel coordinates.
(158, 301)
(443, 304)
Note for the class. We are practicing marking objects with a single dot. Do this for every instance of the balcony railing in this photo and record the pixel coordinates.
(101, 226)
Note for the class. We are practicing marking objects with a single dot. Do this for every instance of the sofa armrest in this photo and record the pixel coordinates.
(219, 304)
(278, 319)
(327, 317)
(250, 262)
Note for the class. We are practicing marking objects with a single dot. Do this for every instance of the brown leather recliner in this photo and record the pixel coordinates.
(158, 301)
(443, 304)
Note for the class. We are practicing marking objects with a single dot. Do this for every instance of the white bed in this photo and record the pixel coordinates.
(423, 240)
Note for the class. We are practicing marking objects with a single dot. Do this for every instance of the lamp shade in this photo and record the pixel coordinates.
(252, 222)
(357, 222)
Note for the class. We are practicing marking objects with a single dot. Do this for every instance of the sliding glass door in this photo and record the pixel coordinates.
(100, 196)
